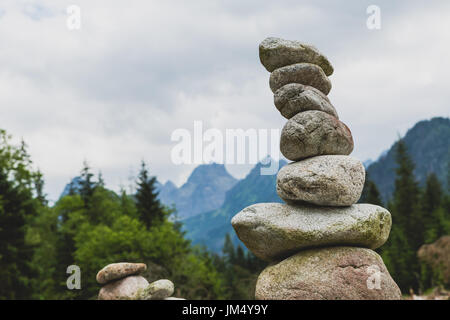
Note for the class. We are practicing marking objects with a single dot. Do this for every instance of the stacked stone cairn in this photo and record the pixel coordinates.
(121, 281)
(320, 243)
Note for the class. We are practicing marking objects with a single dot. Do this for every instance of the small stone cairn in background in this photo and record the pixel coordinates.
(121, 281)
(320, 243)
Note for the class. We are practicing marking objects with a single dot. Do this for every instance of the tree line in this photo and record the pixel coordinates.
(420, 215)
(89, 227)
(92, 226)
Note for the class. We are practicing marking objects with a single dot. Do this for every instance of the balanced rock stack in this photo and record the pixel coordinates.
(122, 282)
(320, 243)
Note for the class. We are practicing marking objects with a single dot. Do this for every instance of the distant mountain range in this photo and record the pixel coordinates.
(211, 196)
(210, 228)
(204, 190)
(75, 185)
(428, 144)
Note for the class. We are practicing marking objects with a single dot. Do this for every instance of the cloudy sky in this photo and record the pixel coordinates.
(113, 91)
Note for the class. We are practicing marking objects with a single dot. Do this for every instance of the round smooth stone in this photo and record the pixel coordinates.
(274, 231)
(315, 133)
(123, 289)
(303, 73)
(335, 273)
(119, 270)
(275, 53)
(295, 97)
(157, 290)
(322, 180)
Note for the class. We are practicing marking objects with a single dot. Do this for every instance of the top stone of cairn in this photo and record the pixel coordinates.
(119, 270)
(275, 53)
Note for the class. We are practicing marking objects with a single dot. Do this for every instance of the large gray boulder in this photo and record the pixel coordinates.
(314, 133)
(323, 180)
(275, 53)
(274, 230)
(303, 73)
(335, 273)
(123, 289)
(295, 97)
(119, 270)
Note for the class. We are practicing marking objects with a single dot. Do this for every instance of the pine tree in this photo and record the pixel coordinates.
(17, 206)
(373, 195)
(432, 209)
(39, 187)
(432, 196)
(408, 228)
(370, 193)
(240, 270)
(240, 257)
(72, 189)
(255, 264)
(398, 256)
(87, 184)
(14, 252)
(149, 207)
(228, 250)
(127, 204)
(101, 181)
(406, 198)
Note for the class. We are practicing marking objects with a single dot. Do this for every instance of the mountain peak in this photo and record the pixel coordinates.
(265, 163)
(427, 143)
(208, 171)
(204, 190)
(74, 185)
(170, 185)
(209, 228)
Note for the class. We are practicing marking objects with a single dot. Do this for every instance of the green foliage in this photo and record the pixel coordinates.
(42, 236)
(196, 276)
(17, 207)
(435, 263)
(435, 218)
(210, 228)
(93, 226)
(240, 270)
(370, 193)
(148, 205)
(407, 231)
(428, 146)
(87, 185)
(109, 231)
(418, 217)
(90, 227)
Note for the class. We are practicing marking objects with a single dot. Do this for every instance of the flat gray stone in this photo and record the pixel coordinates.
(157, 290)
(275, 53)
(322, 180)
(123, 289)
(335, 273)
(119, 270)
(273, 230)
(314, 133)
(295, 97)
(303, 73)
